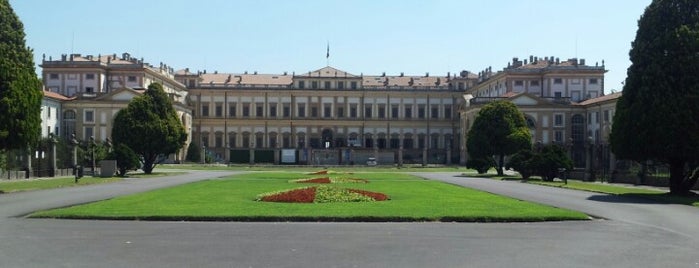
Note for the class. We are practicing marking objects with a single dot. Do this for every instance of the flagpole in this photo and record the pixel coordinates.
(327, 55)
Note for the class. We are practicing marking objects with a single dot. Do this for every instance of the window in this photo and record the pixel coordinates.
(219, 109)
(204, 110)
(557, 94)
(246, 109)
(394, 111)
(593, 81)
(421, 112)
(327, 84)
(259, 110)
(131, 78)
(558, 136)
(90, 89)
(302, 110)
(447, 112)
(434, 113)
(353, 111)
(408, 112)
(314, 111)
(340, 85)
(89, 132)
(382, 112)
(519, 83)
(89, 116)
(558, 120)
(302, 84)
(273, 110)
(53, 76)
(231, 109)
(314, 84)
(367, 112)
(89, 76)
(606, 116)
(461, 85)
(558, 81)
(353, 85)
(534, 83)
(286, 110)
(218, 140)
(327, 111)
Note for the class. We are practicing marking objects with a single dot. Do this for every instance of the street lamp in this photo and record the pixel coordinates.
(92, 154)
(52, 143)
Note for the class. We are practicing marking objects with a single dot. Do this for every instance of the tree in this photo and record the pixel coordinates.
(125, 157)
(20, 89)
(547, 162)
(150, 127)
(523, 162)
(498, 130)
(656, 117)
(193, 152)
(481, 164)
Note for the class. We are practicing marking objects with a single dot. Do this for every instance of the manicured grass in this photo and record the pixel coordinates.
(381, 168)
(411, 199)
(652, 194)
(42, 184)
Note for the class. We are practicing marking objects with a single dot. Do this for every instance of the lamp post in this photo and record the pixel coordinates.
(591, 152)
(92, 154)
(52, 143)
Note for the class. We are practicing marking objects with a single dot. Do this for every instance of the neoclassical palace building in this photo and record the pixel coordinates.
(331, 117)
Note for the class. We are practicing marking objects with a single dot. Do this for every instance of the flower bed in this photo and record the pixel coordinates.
(330, 180)
(321, 194)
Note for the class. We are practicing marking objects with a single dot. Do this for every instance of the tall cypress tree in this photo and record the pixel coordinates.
(657, 117)
(20, 88)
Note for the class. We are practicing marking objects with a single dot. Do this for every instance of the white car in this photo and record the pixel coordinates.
(371, 161)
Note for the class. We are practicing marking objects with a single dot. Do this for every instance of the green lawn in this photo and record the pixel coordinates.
(652, 194)
(380, 168)
(49, 183)
(412, 199)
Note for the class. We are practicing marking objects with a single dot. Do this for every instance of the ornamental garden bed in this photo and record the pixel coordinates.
(331, 180)
(321, 194)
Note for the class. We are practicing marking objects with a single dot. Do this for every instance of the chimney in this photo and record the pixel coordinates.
(558, 61)
(531, 58)
(582, 62)
(383, 74)
(525, 61)
(401, 74)
(427, 74)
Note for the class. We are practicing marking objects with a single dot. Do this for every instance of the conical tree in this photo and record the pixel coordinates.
(498, 130)
(657, 116)
(20, 88)
(150, 127)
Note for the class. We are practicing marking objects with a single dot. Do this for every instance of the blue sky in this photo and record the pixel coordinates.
(367, 37)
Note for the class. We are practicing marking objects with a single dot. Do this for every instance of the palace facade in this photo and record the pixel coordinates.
(329, 116)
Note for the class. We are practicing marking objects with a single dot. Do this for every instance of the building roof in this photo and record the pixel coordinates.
(601, 99)
(245, 79)
(56, 96)
(328, 72)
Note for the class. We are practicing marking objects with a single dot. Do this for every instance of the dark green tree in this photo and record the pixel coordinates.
(656, 117)
(547, 162)
(125, 157)
(150, 127)
(20, 89)
(193, 152)
(480, 164)
(498, 130)
(524, 163)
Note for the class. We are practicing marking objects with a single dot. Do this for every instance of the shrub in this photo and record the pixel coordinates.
(523, 162)
(126, 159)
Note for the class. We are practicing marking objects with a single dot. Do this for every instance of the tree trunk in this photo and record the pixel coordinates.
(681, 182)
(148, 164)
(501, 162)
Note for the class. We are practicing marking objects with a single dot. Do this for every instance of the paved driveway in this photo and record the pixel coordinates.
(632, 234)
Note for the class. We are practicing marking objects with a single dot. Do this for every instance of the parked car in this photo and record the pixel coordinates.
(371, 161)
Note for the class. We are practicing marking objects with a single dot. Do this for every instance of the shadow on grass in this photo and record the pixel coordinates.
(647, 198)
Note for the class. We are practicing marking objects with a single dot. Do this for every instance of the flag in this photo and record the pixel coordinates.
(327, 54)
